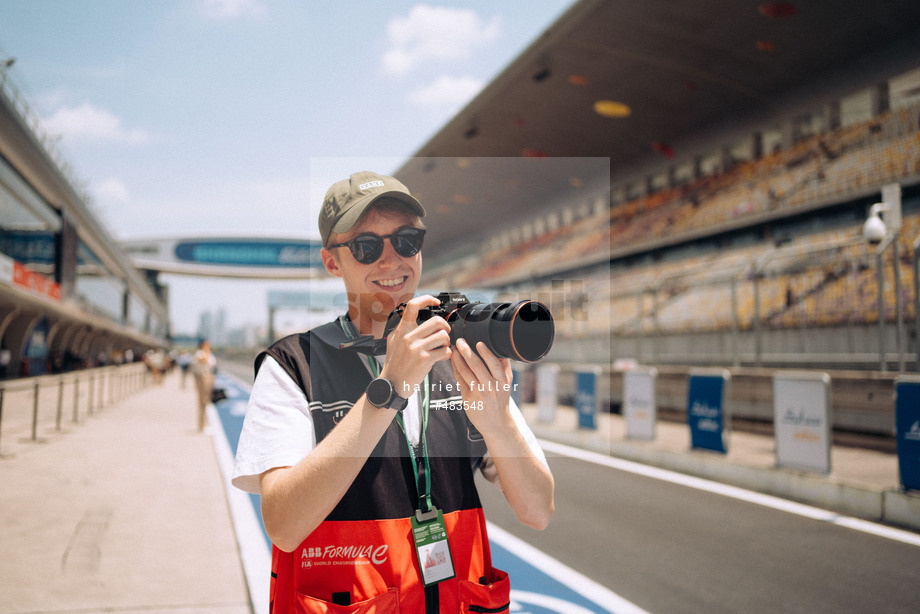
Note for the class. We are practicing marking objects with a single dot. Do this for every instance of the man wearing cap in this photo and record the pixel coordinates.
(365, 463)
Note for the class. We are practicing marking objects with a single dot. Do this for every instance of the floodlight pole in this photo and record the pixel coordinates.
(897, 303)
(880, 301)
(892, 241)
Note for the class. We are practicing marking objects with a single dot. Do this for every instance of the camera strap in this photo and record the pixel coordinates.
(366, 344)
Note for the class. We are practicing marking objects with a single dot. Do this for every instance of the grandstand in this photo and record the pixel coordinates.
(748, 251)
(802, 263)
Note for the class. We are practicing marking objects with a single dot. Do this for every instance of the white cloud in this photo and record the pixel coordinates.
(90, 123)
(52, 99)
(231, 9)
(446, 95)
(435, 33)
(111, 190)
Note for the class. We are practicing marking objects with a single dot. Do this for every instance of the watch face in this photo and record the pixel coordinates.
(379, 392)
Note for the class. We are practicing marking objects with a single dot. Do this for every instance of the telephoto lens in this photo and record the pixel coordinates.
(521, 331)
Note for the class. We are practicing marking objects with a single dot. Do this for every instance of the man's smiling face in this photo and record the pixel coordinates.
(375, 289)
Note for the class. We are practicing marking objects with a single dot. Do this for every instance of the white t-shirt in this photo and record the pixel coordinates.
(278, 429)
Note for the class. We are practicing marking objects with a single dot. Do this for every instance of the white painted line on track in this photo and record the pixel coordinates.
(521, 599)
(584, 586)
(734, 492)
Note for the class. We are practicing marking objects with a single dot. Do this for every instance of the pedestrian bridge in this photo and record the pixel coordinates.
(227, 256)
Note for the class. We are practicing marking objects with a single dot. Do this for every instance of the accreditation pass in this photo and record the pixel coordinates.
(433, 551)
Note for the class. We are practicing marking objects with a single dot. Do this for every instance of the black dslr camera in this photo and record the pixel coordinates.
(521, 331)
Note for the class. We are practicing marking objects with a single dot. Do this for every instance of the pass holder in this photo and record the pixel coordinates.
(429, 534)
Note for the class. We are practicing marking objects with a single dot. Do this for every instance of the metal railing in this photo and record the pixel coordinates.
(30, 407)
(837, 303)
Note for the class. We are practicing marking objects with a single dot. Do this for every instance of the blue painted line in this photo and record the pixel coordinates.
(525, 578)
(231, 411)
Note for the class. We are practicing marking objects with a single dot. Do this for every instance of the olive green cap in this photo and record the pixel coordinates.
(348, 199)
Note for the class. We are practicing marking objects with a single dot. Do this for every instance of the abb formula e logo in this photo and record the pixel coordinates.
(343, 555)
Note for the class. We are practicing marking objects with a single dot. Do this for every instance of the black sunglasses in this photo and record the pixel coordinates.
(367, 247)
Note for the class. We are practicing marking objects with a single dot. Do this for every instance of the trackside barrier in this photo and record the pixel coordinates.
(907, 429)
(640, 409)
(586, 398)
(800, 402)
(706, 413)
(102, 386)
(802, 421)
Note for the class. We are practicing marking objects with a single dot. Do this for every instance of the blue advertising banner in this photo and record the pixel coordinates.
(586, 397)
(251, 252)
(907, 427)
(705, 413)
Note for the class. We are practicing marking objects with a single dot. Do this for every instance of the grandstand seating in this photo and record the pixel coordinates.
(807, 285)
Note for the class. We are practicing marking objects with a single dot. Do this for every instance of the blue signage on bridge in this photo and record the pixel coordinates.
(251, 253)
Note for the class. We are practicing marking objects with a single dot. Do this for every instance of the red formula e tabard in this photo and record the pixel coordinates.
(377, 551)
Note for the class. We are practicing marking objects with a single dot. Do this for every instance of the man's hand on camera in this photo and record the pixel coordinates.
(412, 348)
(485, 382)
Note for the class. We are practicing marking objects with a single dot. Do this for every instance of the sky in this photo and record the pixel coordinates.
(233, 117)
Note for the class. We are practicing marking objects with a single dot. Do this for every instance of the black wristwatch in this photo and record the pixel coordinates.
(381, 393)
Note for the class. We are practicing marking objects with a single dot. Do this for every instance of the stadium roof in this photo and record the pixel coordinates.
(639, 83)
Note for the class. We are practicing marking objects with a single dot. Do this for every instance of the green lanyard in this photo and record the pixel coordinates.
(422, 473)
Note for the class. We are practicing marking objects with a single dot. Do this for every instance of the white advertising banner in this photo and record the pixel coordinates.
(802, 421)
(639, 403)
(547, 392)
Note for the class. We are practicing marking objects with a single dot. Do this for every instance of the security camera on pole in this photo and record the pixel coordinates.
(874, 229)
(881, 228)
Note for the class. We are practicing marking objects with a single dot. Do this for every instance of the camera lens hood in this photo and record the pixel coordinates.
(521, 331)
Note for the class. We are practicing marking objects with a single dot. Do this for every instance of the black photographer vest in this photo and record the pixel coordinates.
(362, 553)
